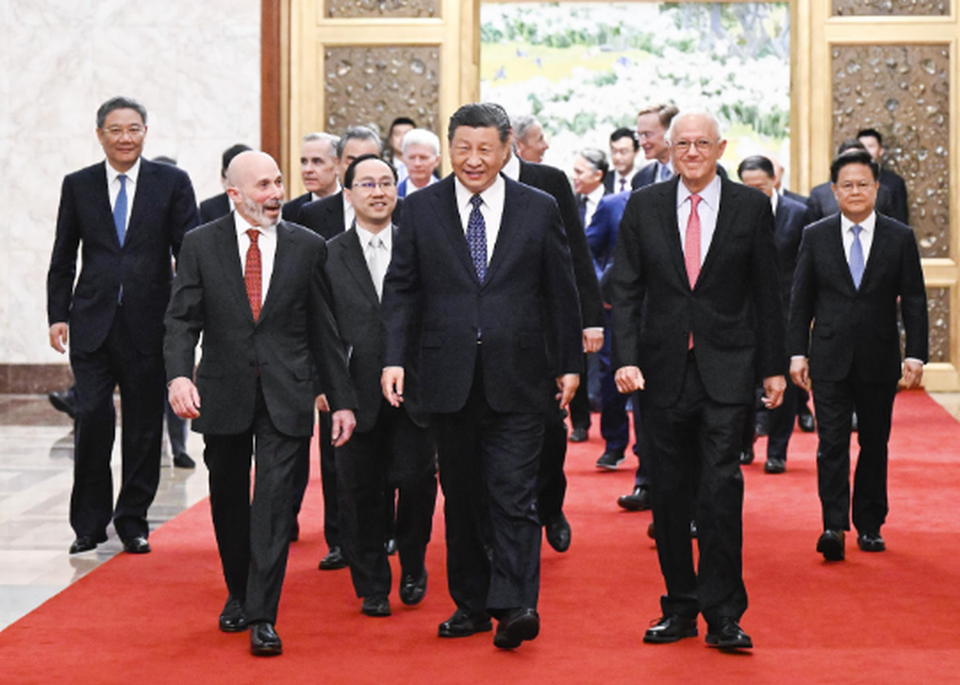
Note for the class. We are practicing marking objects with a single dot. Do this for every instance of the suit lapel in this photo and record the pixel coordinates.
(725, 221)
(878, 253)
(139, 196)
(671, 230)
(840, 256)
(351, 252)
(229, 257)
(509, 231)
(286, 251)
(445, 206)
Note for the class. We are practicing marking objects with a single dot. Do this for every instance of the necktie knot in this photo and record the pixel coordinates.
(253, 234)
(694, 202)
(476, 201)
(857, 230)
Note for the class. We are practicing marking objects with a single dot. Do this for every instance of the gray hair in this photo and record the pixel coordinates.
(421, 136)
(596, 158)
(694, 113)
(120, 102)
(331, 139)
(523, 123)
(358, 133)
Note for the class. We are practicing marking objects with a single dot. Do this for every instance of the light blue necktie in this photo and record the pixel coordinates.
(856, 257)
(665, 172)
(120, 209)
(477, 237)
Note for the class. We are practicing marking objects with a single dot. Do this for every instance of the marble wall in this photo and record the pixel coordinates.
(194, 64)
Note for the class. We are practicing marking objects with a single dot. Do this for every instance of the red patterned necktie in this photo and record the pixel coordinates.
(252, 274)
(691, 256)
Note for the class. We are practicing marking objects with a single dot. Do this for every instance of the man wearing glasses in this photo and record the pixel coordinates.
(696, 319)
(126, 216)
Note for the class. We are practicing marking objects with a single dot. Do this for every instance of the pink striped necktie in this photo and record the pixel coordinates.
(691, 256)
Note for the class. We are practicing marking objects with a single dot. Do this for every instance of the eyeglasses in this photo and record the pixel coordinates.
(118, 131)
(370, 185)
(702, 145)
(848, 186)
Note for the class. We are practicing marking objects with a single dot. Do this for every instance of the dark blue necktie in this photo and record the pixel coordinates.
(120, 209)
(582, 208)
(857, 262)
(477, 238)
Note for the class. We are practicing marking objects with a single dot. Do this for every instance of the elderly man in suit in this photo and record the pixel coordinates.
(318, 170)
(126, 216)
(529, 139)
(481, 262)
(219, 205)
(254, 287)
(421, 155)
(391, 448)
(652, 124)
(853, 270)
(696, 320)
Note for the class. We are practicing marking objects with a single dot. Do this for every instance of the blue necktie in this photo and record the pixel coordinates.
(665, 172)
(477, 237)
(120, 209)
(856, 257)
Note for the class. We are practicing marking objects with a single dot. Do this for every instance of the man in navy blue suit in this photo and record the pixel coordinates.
(126, 216)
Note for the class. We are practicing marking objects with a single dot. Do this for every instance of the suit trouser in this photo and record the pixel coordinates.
(253, 537)
(328, 482)
(580, 404)
(781, 422)
(835, 402)
(551, 479)
(488, 471)
(142, 397)
(395, 451)
(698, 437)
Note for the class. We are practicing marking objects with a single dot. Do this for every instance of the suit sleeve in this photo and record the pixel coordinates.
(401, 294)
(591, 304)
(771, 348)
(628, 288)
(325, 344)
(801, 300)
(913, 301)
(63, 260)
(560, 291)
(184, 318)
(183, 212)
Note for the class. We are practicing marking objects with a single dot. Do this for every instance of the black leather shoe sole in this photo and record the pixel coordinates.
(512, 632)
(85, 543)
(675, 631)
(465, 628)
(136, 545)
(740, 640)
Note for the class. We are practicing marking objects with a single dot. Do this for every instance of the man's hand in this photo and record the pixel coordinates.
(800, 373)
(322, 404)
(628, 379)
(773, 389)
(342, 424)
(568, 384)
(391, 382)
(592, 340)
(912, 374)
(184, 397)
(58, 336)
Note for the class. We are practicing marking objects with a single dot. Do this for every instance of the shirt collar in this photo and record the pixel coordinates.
(867, 224)
(366, 236)
(491, 195)
(710, 195)
(242, 226)
(132, 173)
(596, 194)
(512, 168)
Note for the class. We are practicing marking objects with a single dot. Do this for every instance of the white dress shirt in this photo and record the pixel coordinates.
(349, 213)
(377, 250)
(866, 235)
(267, 242)
(491, 209)
(707, 210)
(593, 199)
(113, 186)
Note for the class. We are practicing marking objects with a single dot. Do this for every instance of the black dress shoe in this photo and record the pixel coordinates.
(264, 640)
(746, 456)
(183, 461)
(84, 543)
(727, 634)
(578, 435)
(805, 421)
(830, 545)
(64, 401)
(775, 465)
(232, 618)
(136, 545)
(412, 588)
(558, 533)
(871, 542)
(610, 460)
(463, 624)
(638, 500)
(518, 626)
(670, 629)
(376, 605)
(333, 561)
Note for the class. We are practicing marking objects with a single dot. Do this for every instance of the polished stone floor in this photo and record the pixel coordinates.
(36, 467)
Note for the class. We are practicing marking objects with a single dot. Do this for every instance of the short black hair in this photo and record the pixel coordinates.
(850, 144)
(352, 169)
(853, 156)
(163, 159)
(870, 133)
(120, 102)
(480, 115)
(596, 158)
(229, 154)
(400, 121)
(756, 163)
(624, 132)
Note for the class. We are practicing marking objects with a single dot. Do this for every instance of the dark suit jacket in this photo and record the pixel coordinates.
(608, 180)
(525, 304)
(602, 236)
(357, 311)
(554, 182)
(646, 176)
(291, 209)
(789, 221)
(897, 189)
(734, 311)
(857, 328)
(164, 209)
(214, 207)
(796, 197)
(325, 216)
(822, 203)
(294, 338)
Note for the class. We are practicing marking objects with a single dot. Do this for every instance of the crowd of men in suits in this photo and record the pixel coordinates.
(440, 326)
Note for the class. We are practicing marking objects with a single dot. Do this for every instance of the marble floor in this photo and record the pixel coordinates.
(36, 467)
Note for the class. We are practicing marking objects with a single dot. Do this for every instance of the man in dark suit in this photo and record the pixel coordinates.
(624, 146)
(529, 140)
(318, 169)
(894, 183)
(823, 203)
(219, 205)
(696, 307)
(127, 216)
(852, 271)
(391, 448)
(481, 261)
(254, 286)
(758, 172)
(551, 480)
(652, 124)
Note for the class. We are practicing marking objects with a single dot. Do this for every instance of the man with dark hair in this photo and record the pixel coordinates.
(758, 172)
(652, 124)
(853, 270)
(219, 205)
(823, 201)
(696, 320)
(529, 139)
(896, 187)
(624, 146)
(318, 170)
(481, 261)
(391, 448)
(127, 217)
(393, 145)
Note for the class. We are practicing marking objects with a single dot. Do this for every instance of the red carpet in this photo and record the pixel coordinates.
(876, 618)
